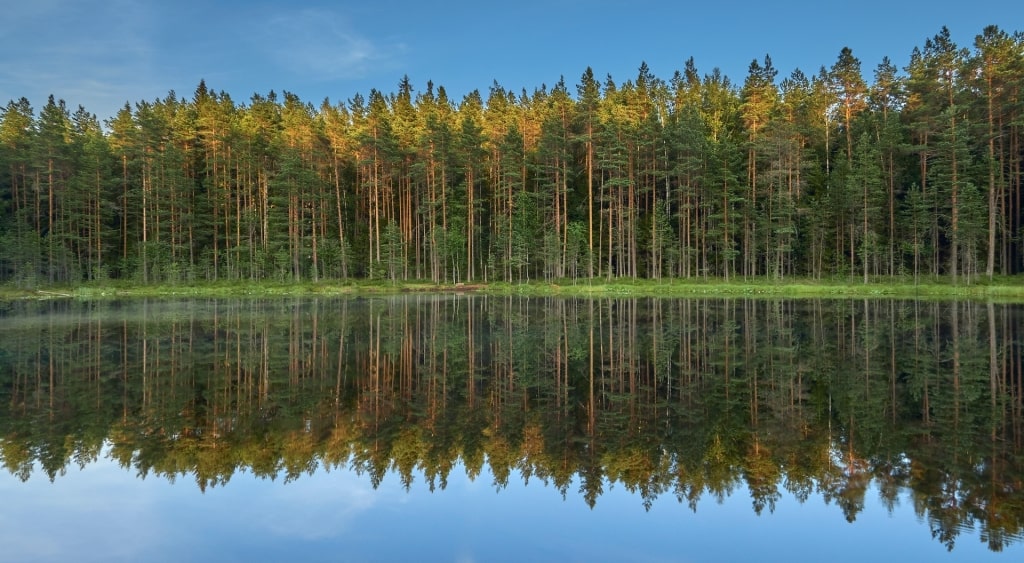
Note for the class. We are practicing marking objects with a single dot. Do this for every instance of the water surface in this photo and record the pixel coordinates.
(463, 428)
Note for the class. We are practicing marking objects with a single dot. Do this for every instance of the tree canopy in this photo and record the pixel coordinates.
(917, 172)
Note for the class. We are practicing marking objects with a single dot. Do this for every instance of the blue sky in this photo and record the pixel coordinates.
(101, 54)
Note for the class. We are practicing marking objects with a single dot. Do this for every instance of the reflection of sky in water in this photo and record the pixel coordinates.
(104, 513)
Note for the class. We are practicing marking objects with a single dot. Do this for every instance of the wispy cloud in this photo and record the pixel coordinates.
(323, 45)
(102, 54)
(93, 55)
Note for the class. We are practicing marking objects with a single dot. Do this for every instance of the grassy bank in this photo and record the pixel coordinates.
(1002, 289)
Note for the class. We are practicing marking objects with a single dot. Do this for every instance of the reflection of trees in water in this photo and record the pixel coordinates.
(689, 398)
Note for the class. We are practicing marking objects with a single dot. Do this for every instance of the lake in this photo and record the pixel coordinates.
(456, 427)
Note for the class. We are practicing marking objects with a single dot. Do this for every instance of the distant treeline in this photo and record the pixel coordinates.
(916, 173)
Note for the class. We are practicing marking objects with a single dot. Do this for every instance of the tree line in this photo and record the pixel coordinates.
(917, 173)
(917, 402)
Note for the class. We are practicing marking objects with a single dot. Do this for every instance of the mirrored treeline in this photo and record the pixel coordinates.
(691, 399)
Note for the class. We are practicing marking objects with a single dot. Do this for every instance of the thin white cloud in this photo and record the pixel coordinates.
(322, 45)
(101, 55)
(90, 55)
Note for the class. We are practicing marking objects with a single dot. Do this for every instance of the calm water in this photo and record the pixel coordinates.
(461, 428)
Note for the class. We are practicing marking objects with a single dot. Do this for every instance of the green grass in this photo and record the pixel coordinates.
(1003, 289)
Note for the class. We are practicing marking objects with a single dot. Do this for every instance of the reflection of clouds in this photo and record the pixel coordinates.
(81, 516)
(106, 513)
(325, 505)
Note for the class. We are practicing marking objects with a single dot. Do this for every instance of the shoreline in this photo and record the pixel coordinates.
(1003, 289)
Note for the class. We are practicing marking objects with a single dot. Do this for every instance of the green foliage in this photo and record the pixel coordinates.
(695, 177)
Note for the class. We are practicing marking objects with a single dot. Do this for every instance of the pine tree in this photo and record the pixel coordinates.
(589, 95)
(760, 97)
(553, 173)
(472, 153)
(851, 92)
(53, 165)
(90, 184)
(686, 140)
(885, 98)
(866, 183)
(992, 68)
(19, 251)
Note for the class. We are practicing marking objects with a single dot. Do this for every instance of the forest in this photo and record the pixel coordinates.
(913, 173)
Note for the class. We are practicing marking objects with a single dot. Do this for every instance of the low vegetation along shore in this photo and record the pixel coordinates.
(1004, 289)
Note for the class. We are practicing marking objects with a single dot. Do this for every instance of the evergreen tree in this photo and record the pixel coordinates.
(19, 239)
(810, 175)
(996, 60)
